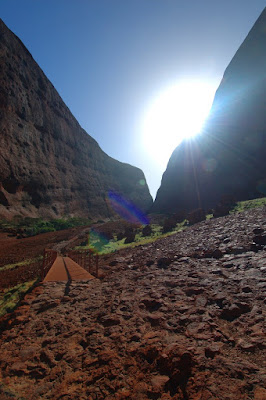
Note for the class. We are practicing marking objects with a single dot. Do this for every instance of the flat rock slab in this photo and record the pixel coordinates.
(64, 269)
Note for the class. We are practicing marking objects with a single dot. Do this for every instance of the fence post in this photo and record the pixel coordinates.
(49, 257)
(90, 251)
(97, 265)
(43, 265)
(86, 261)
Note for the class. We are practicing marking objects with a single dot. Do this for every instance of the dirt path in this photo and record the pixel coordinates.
(69, 242)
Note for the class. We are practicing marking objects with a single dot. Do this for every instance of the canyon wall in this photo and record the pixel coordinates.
(229, 156)
(49, 166)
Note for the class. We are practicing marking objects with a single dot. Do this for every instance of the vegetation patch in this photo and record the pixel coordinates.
(11, 297)
(18, 264)
(107, 239)
(248, 204)
(100, 243)
(25, 227)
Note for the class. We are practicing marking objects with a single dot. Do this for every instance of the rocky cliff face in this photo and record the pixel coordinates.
(49, 166)
(228, 157)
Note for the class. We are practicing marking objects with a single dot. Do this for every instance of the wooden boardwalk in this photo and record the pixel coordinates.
(65, 269)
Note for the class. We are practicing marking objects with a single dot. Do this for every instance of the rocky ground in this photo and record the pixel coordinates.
(181, 318)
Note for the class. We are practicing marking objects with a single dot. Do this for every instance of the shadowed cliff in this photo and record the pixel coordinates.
(228, 157)
(49, 166)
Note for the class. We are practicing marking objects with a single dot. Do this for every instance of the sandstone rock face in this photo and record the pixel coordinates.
(228, 157)
(49, 166)
(168, 320)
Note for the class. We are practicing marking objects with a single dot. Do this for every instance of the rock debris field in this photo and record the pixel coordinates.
(181, 318)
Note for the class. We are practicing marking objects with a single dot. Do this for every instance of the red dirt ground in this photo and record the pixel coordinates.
(182, 318)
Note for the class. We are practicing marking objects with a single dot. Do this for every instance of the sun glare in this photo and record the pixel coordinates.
(177, 113)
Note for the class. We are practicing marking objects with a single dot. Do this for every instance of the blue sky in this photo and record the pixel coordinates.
(109, 59)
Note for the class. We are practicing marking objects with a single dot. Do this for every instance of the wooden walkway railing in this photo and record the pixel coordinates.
(87, 259)
(49, 257)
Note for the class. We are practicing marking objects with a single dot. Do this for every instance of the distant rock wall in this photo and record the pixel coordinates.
(229, 156)
(49, 166)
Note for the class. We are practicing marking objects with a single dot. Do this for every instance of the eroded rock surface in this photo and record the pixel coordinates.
(167, 321)
(49, 166)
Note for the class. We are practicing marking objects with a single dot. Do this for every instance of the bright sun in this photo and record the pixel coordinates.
(177, 113)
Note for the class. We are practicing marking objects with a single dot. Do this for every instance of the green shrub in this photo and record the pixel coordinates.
(169, 224)
(147, 230)
(27, 226)
(195, 216)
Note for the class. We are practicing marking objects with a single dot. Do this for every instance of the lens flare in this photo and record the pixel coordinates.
(209, 165)
(97, 240)
(261, 187)
(126, 209)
